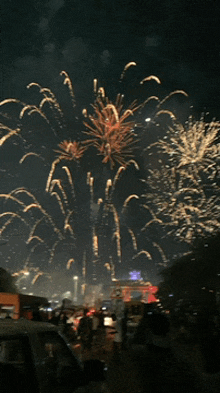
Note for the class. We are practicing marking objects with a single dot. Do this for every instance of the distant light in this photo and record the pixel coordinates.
(135, 275)
(75, 277)
(148, 119)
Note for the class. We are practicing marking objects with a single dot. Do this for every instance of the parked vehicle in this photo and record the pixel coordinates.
(35, 357)
(18, 305)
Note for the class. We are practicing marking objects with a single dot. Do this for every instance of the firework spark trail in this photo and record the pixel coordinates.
(10, 133)
(10, 220)
(28, 155)
(12, 198)
(50, 98)
(118, 173)
(33, 229)
(33, 109)
(52, 251)
(95, 244)
(27, 261)
(67, 81)
(128, 65)
(35, 204)
(143, 252)
(163, 256)
(134, 240)
(26, 272)
(54, 193)
(52, 170)
(69, 263)
(127, 200)
(149, 78)
(36, 277)
(70, 179)
(117, 231)
(49, 218)
(66, 223)
(57, 182)
(112, 266)
(11, 100)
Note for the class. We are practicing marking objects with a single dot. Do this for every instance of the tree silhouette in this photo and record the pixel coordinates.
(6, 282)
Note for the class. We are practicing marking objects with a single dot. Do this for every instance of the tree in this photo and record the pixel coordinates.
(6, 282)
(195, 277)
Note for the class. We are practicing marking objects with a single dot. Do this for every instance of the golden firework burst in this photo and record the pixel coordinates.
(194, 146)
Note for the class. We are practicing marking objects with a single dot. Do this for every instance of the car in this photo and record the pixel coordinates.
(35, 357)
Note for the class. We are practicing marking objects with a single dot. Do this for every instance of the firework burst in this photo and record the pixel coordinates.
(110, 132)
(179, 204)
(193, 147)
(72, 151)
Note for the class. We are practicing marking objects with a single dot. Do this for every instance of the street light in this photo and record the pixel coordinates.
(75, 278)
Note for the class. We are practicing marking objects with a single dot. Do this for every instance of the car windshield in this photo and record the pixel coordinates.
(16, 364)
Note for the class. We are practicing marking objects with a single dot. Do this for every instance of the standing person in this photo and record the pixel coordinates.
(117, 341)
(85, 330)
(95, 323)
(124, 323)
(101, 333)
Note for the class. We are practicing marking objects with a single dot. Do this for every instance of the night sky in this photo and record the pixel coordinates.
(178, 41)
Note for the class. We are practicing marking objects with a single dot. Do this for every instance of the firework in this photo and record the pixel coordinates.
(69, 263)
(70, 186)
(178, 202)
(110, 132)
(143, 252)
(70, 150)
(193, 147)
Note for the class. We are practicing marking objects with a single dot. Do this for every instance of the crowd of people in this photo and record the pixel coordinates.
(92, 329)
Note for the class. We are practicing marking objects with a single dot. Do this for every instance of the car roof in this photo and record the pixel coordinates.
(23, 326)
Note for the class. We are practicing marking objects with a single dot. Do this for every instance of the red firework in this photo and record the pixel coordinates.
(71, 150)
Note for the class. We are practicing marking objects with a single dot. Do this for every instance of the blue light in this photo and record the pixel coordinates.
(135, 275)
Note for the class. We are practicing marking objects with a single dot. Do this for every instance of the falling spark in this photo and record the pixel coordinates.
(9, 135)
(148, 255)
(69, 263)
(149, 78)
(163, 256)
(131, 63)
(36, 277)
(134, 241)
(127, 200)
(28, 155)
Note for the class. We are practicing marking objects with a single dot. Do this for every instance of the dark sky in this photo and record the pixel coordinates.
(176, 40)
